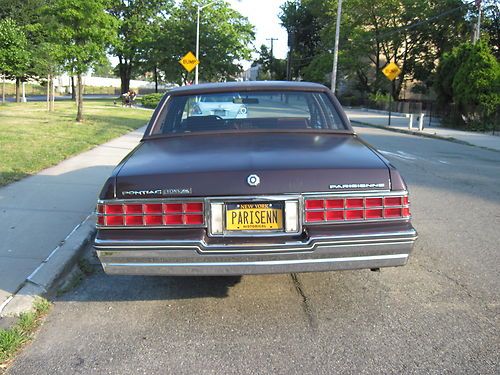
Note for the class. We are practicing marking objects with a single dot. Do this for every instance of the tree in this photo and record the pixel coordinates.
(271, 67)
(29, 16)
(476, 85)
(225, 36)
(303, 22)
(14, 53)
(411, 33)
(82, 30)
(137, 20)
(469, 77)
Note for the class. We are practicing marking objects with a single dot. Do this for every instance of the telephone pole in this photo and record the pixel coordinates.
(272, 57)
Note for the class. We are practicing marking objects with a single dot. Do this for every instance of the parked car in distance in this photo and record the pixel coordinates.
(221, 105)
(290, 187)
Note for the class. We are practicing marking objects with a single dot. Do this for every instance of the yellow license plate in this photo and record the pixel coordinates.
(254, 216)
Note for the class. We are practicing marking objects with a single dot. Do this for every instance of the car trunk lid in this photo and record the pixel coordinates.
(219, 165)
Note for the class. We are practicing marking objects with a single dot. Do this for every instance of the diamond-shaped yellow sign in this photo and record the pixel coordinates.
(189, 61)
(391, 71)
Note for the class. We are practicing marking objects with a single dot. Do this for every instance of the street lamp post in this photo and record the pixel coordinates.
(200, 8)
(336, 47)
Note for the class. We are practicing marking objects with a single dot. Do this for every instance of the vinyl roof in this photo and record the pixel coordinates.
(248, 86)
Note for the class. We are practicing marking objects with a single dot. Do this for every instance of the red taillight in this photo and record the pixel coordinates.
(113, 209)
(193, 207)
(150, 214)
(132, 221)
(172, 207)
(113, 220)
(335, 215)
(354, 202)
(356, 209)
(152, 209)
(312, 216)
(133, 208)
(373, 202)
(314, 204)
(335, 203)
(193, 219)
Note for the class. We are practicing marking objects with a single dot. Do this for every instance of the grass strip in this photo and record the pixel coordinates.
(12, 339)
(32, 139)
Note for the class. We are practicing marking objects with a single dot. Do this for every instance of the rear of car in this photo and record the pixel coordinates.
(288, 187)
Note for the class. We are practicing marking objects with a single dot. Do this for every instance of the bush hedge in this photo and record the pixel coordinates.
(151, 100)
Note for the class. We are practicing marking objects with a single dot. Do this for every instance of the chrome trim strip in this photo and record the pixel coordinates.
(263, 262)
(252, 248)
(251, 251)
(410, 234)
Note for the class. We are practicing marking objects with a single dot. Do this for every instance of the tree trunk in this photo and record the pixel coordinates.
(79, 101)
(48, 92)
(52, 94)
(125, 69)
(73, 91)
(18, 90)
(3, 88)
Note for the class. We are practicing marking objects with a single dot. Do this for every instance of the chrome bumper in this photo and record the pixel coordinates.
(197, 258)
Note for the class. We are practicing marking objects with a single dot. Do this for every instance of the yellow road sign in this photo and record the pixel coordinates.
(189, 61)
(391, 71)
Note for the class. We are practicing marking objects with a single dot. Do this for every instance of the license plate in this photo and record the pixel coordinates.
(220, 112)
(254, 216)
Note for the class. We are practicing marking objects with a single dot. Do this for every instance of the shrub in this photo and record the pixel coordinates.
(151, 100)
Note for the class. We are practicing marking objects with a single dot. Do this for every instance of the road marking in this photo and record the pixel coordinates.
(400, 156)
(410, 157)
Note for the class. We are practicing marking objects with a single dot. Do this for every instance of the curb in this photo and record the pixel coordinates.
(425, 135)
(48, 276)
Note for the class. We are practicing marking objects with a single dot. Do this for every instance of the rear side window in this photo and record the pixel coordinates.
(248, 110)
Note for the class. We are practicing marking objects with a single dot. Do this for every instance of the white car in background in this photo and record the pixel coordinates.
(223, 106)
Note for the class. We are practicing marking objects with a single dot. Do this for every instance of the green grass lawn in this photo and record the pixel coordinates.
(32, 139)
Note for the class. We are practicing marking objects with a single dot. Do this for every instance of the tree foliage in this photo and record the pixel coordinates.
(469, 77)
(14, 53)
(225, 36)
(411, 33)
(271, 67)
(81, 30)
(137, 26)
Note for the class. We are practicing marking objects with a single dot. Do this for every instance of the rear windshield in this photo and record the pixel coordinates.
(248, 110)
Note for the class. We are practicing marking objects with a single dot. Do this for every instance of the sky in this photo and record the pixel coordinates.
(263, 14)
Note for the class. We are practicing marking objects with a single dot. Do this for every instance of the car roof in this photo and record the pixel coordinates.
(248, 86)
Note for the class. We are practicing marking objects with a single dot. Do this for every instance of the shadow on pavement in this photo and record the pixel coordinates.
(137, 288)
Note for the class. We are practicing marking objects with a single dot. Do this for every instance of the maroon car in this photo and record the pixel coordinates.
(248, 178)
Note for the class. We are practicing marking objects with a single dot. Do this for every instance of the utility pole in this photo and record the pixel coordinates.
(272, 57)
(477, 32)
(336, 47)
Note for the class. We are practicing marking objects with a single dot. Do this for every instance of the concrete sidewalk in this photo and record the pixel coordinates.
(400, 123)
(38, 212)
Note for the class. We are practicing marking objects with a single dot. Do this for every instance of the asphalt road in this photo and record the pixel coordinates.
(439, 314)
